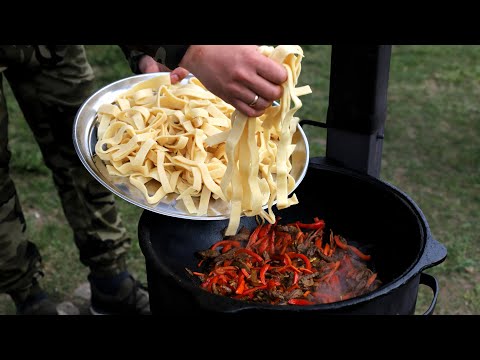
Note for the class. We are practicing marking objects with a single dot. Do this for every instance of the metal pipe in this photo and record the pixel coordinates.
(358, 106)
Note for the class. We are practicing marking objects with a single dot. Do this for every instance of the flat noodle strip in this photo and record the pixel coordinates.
(182, 139)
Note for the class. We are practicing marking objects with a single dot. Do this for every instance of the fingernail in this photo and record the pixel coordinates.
(174, 78)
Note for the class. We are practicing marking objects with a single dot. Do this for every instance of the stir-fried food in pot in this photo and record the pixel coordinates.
(294, 264)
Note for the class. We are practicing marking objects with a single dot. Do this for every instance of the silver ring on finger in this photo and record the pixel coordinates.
(254, 102)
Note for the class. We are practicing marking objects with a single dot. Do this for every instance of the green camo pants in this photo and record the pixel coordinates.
(50, 83)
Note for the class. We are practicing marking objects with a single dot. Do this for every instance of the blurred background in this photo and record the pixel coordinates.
(430, 152)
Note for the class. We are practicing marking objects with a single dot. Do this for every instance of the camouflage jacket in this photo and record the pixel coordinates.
(51, 55)
(47, 55)
(168, 55)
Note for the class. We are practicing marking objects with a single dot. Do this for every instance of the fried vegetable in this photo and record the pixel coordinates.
(293, 264)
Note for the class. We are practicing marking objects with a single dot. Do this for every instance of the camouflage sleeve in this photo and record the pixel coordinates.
(168, 55)
(47, 55)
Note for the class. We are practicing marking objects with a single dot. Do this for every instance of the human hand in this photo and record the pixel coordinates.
(237, 74)
(147, 64)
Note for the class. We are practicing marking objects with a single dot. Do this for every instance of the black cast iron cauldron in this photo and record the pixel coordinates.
(371, 214)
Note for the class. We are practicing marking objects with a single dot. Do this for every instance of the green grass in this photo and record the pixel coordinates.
(430, 152)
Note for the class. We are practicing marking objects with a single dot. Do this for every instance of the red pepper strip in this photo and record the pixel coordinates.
(293, 287)
(223, 269)
(288, 267)
(271, 239)
(300, 237)
(252, 290)
(226, 248)
(318, 244)
(265, 230)
(200, 262)
(208, 283)
(198, 273)
(294, 255)
(314, 226)
(253, 237)
(245, 272)
(281, 269)
(300, 302)
(260, 239)
(329, 275)
(295, 277)
(233, 243)
(320, 224)
(257, 257)
(222, 280)
(284, 248)
(279, 242)
(241, 284)
(231, 274)
(339, 243)
(286, 239)
(294, 269)
(359, 253)
(263, 270)
(326, 250)
(216, 278)
(308, 271)
(371, 279)
(264, 244)
(286, 259)
(272, 283)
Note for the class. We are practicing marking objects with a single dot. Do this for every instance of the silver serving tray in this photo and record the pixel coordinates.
(85, 138)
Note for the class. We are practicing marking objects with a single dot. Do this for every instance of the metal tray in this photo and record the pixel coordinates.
(85, 138)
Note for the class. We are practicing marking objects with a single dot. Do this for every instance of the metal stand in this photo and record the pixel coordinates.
(358, 106)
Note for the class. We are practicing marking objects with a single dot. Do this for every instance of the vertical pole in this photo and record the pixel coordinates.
(358, 106)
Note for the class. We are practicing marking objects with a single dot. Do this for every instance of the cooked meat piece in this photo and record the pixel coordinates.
(323, 256)
(308, 280)
(207, 254)
(297, 293)
(277, 294)
(242, 235)
(292, 230)
(238, 262)
(229, 255)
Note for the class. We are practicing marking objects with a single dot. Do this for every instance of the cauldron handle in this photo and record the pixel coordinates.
(434, 254)
(313, 123)
(432, 283)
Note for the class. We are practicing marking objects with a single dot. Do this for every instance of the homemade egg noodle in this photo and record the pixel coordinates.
(182, 139)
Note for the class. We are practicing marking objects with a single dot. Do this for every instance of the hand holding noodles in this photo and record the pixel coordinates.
(257, 148)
